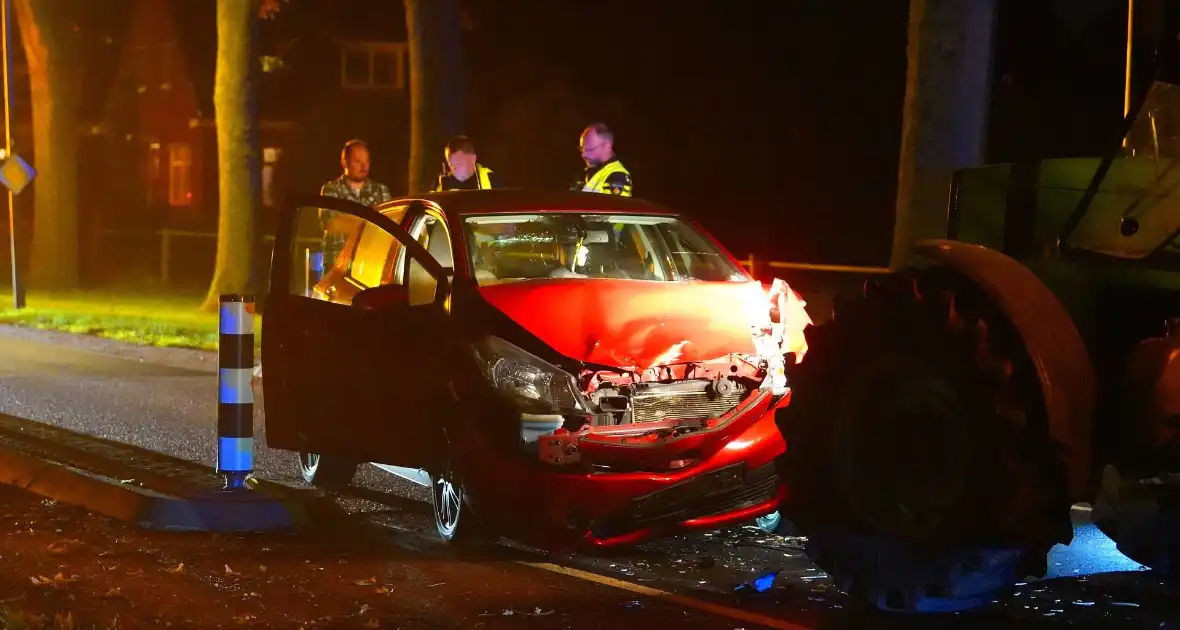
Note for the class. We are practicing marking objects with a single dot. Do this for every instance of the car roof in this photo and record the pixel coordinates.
(516, 200)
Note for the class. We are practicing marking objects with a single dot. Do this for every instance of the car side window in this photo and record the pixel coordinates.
(375, 248)
(372, 251)
(431, 231)
(336, 261)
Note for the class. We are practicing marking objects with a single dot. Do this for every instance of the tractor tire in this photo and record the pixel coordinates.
(918, 448)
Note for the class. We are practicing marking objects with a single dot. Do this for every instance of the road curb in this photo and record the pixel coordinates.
(259, 510)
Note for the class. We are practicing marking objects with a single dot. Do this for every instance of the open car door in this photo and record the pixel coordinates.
(352, 368)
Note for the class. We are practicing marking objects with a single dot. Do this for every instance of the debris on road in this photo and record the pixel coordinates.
(67, 568)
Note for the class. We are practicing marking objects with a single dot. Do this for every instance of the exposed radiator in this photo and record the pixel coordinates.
(688, 400)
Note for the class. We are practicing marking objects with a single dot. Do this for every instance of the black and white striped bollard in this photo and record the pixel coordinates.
(235, 400)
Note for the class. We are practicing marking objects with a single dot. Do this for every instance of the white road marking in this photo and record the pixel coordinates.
(639, 589)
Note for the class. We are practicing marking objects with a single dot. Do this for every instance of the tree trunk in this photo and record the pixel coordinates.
(52, 51)
(238, 151)
(944, 124)
(433, 29)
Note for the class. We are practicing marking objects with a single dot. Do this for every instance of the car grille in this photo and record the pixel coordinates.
(655, 405)
(717, 492)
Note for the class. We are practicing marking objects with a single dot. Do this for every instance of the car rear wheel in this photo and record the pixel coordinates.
(326, 471)
(919, 456)
(452, 515)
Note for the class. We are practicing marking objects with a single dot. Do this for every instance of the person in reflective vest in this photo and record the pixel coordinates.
(461, 171)
(604, 172)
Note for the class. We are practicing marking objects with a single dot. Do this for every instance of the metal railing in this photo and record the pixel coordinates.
(752, 265)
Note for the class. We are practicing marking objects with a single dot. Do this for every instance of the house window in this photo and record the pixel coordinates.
(373, 66)
(270, 159)
(180, 170)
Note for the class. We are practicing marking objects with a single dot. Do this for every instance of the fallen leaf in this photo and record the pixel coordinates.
(262, 567)
(383, 590)
(243, 619)
(114, 592)
(229, 571)
(62, 546)
(369, 582)
(179, 568)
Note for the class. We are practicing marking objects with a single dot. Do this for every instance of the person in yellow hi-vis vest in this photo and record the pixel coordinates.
(461, 170)
(604, 172)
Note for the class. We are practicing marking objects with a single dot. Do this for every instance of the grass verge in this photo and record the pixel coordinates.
(173, 321)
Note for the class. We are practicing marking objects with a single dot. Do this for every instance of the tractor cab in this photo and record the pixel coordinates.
(1123, 206)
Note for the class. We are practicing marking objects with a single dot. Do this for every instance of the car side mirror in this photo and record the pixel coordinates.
(382, 297)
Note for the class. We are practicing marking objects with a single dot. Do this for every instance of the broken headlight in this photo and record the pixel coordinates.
(531, 383)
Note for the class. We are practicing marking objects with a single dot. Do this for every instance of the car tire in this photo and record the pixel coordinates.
(919, 457)
(453, 518)
(326, 472)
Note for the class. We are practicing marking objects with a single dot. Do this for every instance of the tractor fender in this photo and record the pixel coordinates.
(1050, 338)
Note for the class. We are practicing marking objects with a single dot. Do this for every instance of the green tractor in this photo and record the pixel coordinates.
(945, 422)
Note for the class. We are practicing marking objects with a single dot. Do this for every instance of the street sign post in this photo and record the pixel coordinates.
(16, 172)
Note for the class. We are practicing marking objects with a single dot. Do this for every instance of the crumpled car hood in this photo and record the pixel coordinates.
(634, 324)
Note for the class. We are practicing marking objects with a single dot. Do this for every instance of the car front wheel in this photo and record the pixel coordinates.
(452, 516)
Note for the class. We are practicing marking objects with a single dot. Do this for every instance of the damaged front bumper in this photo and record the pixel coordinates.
(641, 494)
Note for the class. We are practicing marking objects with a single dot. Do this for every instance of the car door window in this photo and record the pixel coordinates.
(372, 250)
(375, 248)
(366, 262)
(431, 231)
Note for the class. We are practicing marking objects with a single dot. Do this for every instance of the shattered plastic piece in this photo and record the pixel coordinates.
(761, 584)
(773, 340)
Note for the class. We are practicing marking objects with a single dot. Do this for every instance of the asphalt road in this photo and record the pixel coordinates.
(166, 400)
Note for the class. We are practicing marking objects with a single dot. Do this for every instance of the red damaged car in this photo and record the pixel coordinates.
(563, 368)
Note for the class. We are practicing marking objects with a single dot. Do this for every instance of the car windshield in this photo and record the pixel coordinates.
(513, 248)
(1136, 210)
